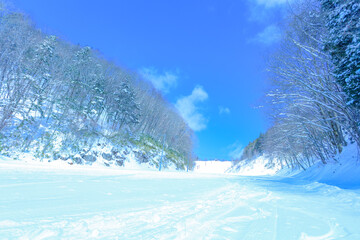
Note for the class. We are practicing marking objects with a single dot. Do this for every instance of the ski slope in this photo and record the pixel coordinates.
(212, 166)
(42, 201)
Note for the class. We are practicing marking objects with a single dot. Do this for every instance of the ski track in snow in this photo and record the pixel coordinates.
(72, 204)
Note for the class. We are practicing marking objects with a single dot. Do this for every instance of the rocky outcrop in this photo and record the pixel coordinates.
(89, 158)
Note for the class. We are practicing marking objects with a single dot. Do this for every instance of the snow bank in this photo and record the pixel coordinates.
(131, 155)
(100, 166)
(343, 171)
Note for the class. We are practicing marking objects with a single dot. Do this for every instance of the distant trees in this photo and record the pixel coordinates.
(253, 149)
(311, 118)
(49, 87)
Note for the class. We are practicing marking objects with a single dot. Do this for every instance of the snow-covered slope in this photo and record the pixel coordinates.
(212, 166)
(343, 171)
(256, 167)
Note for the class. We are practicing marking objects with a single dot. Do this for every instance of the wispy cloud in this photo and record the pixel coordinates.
(162, 81)
(267, 11)
(189, 109)
(270, 35)
(236, 150)
(224, 110)
(271, 3)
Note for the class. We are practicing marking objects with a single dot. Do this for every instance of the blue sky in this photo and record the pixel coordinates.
(206, 56)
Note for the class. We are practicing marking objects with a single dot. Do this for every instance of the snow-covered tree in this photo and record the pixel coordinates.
(311, 117)
(343, 44)
(123, 109)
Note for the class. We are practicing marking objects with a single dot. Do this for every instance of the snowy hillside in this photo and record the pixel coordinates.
(343, 170)
(66, 102)
(256, 167)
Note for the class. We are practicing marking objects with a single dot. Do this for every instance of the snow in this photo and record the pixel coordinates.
(256, 167)
(343, 171)
(126, 155)
(212, 166)
(49, 201)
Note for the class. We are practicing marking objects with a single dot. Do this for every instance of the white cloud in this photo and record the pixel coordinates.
(162, 81)
(236, 150)
(270, 35)
(224, 110)
(189, 110)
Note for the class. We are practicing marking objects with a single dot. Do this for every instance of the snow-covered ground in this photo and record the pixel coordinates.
(43, 201)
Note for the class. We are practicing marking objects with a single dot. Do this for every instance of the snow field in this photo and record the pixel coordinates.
(78, 203)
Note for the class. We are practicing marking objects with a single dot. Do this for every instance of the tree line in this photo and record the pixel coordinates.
(315, 84)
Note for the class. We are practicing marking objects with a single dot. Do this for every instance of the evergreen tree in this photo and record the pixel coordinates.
(343, 44)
